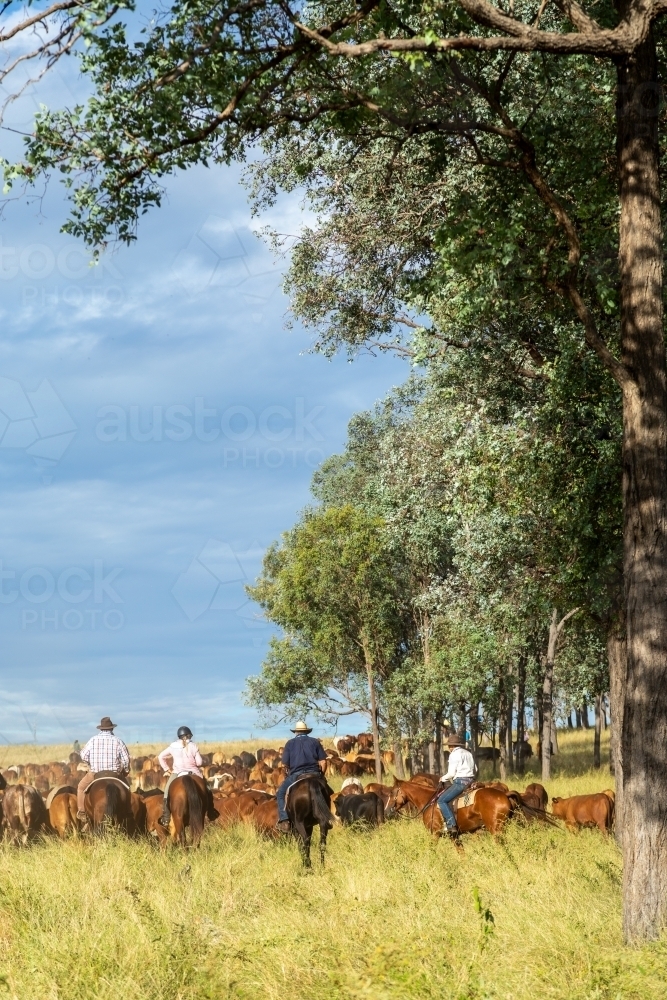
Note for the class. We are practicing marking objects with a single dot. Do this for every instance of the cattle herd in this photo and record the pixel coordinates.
(41, 798)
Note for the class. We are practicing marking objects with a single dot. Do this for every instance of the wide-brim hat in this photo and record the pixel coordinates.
(455, 741)
(301, 727)
(106, 723)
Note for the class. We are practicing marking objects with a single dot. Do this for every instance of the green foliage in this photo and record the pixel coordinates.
(334, 586)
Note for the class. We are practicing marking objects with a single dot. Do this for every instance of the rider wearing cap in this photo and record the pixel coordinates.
(302, 755)
(461, 773)
(185, 757)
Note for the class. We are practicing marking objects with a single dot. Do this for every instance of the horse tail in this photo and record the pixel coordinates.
(321, 810)
(195, 808)
(112, 803)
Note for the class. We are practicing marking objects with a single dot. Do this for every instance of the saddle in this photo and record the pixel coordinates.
(60, 790)
(468, 797)
(109, 776)
(312, 774)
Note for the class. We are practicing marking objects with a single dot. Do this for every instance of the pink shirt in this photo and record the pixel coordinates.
(185, 758)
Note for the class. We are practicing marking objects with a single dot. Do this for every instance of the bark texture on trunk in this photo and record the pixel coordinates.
(547, 697)
(644, 714)
(502, 731)
(374, 722)
(520, 715)
(398, 760)
(509, 753)
(598, 730)
(549, 735)
(584, 714)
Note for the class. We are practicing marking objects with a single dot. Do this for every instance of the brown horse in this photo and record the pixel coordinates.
(308, 804)
(188, 803)
(490, 810)
(108, 801)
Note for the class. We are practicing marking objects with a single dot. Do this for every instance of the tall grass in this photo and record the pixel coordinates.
(394, 914)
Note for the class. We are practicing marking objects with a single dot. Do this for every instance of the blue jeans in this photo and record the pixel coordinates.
(457, 787)
(282, 791)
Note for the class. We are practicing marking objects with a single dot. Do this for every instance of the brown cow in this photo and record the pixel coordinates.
(153, 802)
(424, 778)
(584, 810)
(350, 768)
(611, 795)
(383, 792)
(61, 805)
(24, 812)
(537, 794)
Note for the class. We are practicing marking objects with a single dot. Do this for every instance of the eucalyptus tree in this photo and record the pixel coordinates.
(465, 82)
(34, 37)
(335, 587)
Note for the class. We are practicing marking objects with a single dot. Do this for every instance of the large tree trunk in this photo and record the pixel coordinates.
(374, 721)
(398, 760)
(584, 714)
(520, 715)
(438, 742)
(474, 728)
(502, 730)
(509, 753)
(493, 747)
(598, 730)
(644, 730)
(547, 696)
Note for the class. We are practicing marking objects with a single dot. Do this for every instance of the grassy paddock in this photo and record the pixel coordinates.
(394, 914)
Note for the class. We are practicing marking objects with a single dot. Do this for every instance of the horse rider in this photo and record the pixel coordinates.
(104, 752)
(301, 755)
(185, 759)
(461, 773)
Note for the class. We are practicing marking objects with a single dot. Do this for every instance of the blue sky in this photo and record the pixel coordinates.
(160, 429)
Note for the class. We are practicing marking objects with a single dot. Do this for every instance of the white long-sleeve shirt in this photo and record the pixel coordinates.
(461, 765)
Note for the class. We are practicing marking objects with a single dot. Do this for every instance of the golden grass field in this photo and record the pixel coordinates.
(393, 914)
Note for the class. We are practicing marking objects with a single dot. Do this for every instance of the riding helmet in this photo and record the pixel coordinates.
(184, 731)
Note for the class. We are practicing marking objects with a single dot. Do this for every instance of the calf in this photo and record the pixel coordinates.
(62, 811)
(366, 808)
(365, 741)
(538, 794)
(584, 810)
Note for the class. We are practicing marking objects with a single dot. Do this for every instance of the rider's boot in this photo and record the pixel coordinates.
(283, 826)
(166, 814)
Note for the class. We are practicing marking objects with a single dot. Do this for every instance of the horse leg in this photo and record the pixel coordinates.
(304, 840)
(324, 830)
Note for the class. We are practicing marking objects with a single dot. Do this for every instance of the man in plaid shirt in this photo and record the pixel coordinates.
(104, 752)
